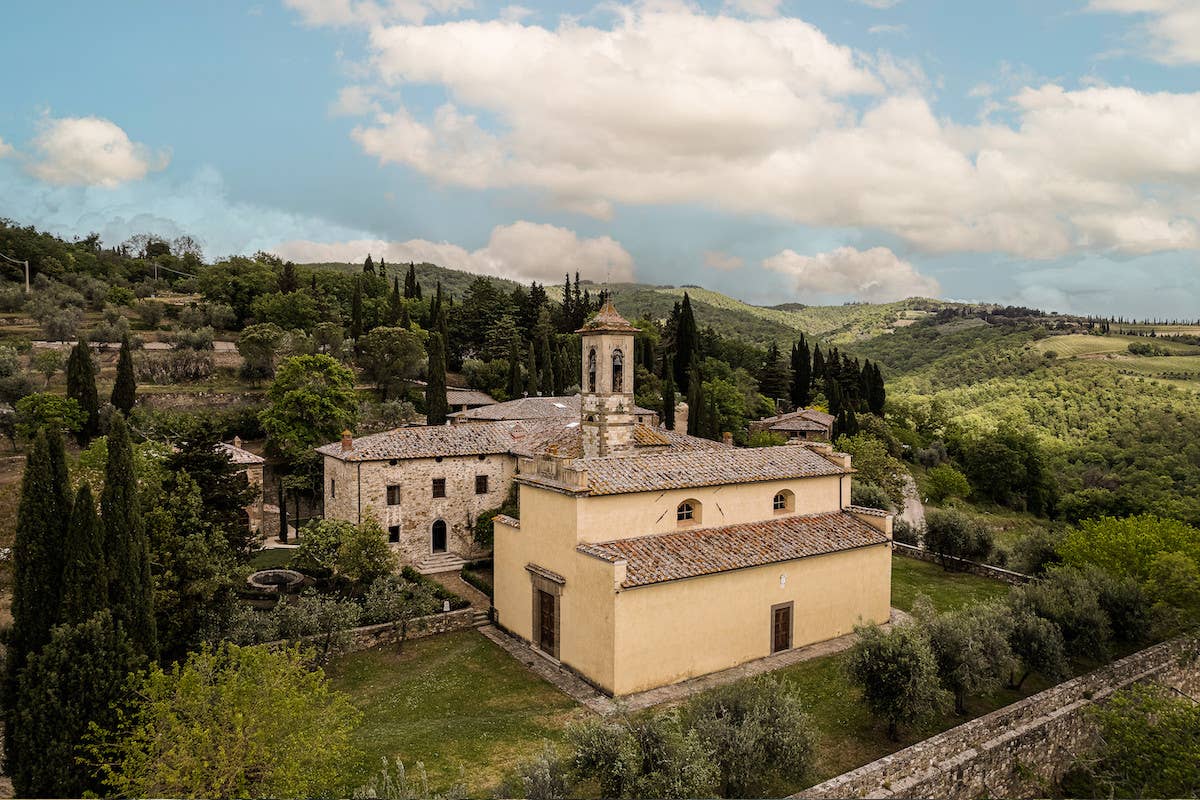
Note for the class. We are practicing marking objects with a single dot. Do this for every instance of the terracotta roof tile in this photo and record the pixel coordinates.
(531, 408)
(678, 468)
(469, 397)
(707, 551)
(607, 319)
(240, 456)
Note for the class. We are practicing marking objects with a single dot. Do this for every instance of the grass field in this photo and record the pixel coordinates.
(272, 558)
(1075, 345)
(947, 590)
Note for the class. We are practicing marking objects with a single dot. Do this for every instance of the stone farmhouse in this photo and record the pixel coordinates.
(252, 465)
(645, 557)
(805, 425)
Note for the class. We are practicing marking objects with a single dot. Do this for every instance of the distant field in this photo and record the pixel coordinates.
(1162, 366)
(1081, 344)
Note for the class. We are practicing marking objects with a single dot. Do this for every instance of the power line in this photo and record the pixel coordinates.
(25, 263)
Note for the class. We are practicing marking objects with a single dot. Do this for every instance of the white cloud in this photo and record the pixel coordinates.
(876, 275)
(515, 13)
(670, 105)
(354, 101)
(521, 251)
(1171, 29)
(342, 13)
(755, 8)
(886, 29)
(91, 151)
(723, 262)
(6, 149)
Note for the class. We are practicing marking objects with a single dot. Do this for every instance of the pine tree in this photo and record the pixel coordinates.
(81, 387)
(686, 345)
(531, 374)
(124, 392)
(126, 549)
(38, 555)
(514, 371)
(668, 393)
(356, 311)
(775, 378)
(695, 396)
(435, 388)
(84, 584)
(369, 266)
(76, 680)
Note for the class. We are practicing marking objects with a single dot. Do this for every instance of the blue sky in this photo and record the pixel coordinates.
(1043, 153)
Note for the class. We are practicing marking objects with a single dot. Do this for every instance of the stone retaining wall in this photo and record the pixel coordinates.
(1021, 749)
(962, 565)
(369, 636)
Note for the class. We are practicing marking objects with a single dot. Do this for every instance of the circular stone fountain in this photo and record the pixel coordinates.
(276, 580)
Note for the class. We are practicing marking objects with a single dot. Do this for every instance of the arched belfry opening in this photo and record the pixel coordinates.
(607, 416)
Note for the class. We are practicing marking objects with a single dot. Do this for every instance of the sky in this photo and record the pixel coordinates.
(1034, 152)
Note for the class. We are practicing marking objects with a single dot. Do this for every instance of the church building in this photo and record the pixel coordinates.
(643, 557)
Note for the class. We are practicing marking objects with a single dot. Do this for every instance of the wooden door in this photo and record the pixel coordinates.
(781, 628)
(546, 612)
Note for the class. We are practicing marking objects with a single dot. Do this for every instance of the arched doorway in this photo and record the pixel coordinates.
(439, 536)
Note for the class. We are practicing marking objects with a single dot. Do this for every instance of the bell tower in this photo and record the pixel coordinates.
(607, 417)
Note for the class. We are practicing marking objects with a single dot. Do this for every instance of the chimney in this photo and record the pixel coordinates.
(237, 442)
(347, 441)
(727, 437)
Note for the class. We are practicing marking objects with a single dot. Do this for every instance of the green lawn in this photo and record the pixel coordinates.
(272, 558)
(453, 702)
(947, 590)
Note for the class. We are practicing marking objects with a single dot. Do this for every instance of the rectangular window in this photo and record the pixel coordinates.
(439, 487)
(481, 484)
(332, 488)
(394, 533)
(393, 495)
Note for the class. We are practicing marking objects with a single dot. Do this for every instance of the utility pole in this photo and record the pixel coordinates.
(24, 263)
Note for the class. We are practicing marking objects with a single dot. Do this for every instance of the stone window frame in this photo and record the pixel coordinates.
(788, 504)
(439, 488)
(481, 481)
(591, 370)
(791, 606)
(393, 494)
(618, 371)
(543, 580)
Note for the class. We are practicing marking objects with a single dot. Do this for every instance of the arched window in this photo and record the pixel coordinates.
(784, 501)
(618, 380)
(591, 370)
(688, 513)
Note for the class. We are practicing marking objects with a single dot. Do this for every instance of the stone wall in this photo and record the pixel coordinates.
(962, 565)
(1021, 749)
(369, 636)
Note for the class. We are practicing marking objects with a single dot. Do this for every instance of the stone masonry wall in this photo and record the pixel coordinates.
(962, 565)
(1018, 750)
(418, 509)
(369, 636)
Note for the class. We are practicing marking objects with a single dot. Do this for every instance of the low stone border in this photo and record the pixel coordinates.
(962, 564)
(369, 636)
(1019, 749)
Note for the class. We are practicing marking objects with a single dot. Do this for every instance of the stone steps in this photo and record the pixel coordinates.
(480, 618)
(440, 562)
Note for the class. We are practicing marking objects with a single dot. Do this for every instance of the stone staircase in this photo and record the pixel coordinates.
(440, 562)
(480, 618)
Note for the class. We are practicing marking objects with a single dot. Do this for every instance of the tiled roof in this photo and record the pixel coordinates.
(798, 424)
(531, 408)
(679, 469)
(566, 441)
(810, 414)
(425, 442)
(469, 397)
(607, 319)
(239, 456)
(707, 551)
(869, 512)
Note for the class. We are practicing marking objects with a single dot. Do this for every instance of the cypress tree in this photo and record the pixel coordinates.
(878, 398)
(833, 391)
(686, 340)
(395, 304)
(288, 282)
(76, 680)
(514, 371)
(668, 393)
(81, 387)
(84, 580)
(124, 392)
(405, 321)
(368, 266)
(547, 379)
(126, 549)
(531, 374)
(818, 365)
(435, 388)
(851, 422)
(382, 267)
(695, 396)
(356, 318)
(801, 374)
(38, 554)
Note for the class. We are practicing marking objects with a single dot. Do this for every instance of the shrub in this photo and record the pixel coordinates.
(642, 757)
(766, 439)
(869, 495)
(48, 411)
(1035, 552)
(440, 592)
(1067, 598)
(945, 481)
(1128, 546)
(319, 543)
(546, 776)
(177, 366)
(478, 581)
(1149, 744)
(952, 534)
(898, 675)
(363, 553)
(194, 338)
(905, 533)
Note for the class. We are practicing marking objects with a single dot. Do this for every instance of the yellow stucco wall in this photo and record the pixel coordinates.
(672, 631)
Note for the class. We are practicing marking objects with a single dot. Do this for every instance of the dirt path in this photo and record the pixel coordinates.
(914, 511)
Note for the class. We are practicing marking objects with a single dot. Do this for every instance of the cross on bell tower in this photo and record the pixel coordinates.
(607, 417)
